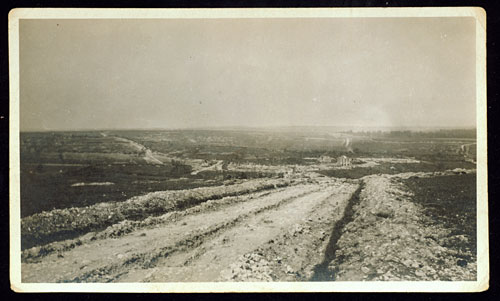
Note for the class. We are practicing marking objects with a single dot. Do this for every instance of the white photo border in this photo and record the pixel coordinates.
(482, 282)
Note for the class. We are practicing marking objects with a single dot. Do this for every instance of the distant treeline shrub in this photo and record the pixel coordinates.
(442, 133)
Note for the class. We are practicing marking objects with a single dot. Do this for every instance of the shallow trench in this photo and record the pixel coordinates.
(321, 271)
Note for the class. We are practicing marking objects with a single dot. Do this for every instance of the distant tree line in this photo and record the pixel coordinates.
(442, 133)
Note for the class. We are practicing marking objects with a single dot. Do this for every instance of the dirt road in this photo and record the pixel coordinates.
(268, 235)
(148, 154)
(308, 228)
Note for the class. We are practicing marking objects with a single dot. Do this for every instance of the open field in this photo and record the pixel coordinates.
(246, 205)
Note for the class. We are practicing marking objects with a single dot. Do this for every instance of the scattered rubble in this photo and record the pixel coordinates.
(250, 267)
(388, 240)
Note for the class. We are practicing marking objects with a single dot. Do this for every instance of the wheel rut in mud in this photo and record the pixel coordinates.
(321, 271)
(206, 261)
(386, 235)
(106, 259)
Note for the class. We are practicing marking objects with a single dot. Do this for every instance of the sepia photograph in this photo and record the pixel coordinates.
(186, 150)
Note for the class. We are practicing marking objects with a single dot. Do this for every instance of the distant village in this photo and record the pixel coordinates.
(341, 161)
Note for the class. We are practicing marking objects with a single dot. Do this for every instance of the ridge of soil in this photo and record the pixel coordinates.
(389, 238)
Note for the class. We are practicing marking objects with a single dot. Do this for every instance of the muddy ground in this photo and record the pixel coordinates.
(309, 228)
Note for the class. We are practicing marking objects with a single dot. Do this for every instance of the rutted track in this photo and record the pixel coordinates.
(59, 224)
(316, 228)
(201, 245)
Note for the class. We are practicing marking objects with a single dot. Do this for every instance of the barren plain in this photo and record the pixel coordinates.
(241, 205)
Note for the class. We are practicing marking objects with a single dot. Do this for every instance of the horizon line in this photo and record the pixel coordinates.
(267, 127)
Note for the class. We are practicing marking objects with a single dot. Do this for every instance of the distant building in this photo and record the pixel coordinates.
(344, 161)
(464, 149)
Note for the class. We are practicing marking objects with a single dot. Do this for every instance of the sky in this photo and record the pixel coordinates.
(185, 73)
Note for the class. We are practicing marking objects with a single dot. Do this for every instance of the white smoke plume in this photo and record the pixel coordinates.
(348, 145)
